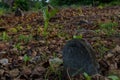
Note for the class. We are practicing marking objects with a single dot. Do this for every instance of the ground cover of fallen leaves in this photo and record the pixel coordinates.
(25, 53)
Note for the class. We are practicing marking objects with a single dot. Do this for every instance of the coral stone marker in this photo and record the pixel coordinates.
(79, 57)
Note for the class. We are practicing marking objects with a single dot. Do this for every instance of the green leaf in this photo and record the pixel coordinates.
(87, 76)
(26, 58)
(52, 13)
(78, 37)
(113, 77)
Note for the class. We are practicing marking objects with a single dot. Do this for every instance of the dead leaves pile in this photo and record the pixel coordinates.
(62, 27)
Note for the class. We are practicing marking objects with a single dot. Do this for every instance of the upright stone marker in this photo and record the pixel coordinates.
(18, 12)
(79, 57)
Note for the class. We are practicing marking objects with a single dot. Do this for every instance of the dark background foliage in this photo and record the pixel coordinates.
(28, 4)
(82, 2)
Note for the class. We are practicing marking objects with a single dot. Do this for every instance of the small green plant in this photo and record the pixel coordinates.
(78, 37)
(109, 25)
(29, 27)
(97, 31)
(107, 28)
(28, 38)
(54, 55)
(46, 20)
(87, 76)
(25, 38)
(2, 11)
(113, 77)
(21, 37)
(101, 48)
(18, 46)
(26, 58)
(47, 15)
(5, 37)
(13, 30)
(100, 7)
(19, 27)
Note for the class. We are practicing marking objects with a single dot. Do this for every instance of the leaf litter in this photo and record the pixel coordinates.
(63, 26)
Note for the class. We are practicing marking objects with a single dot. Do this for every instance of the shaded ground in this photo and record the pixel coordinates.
(24, 36)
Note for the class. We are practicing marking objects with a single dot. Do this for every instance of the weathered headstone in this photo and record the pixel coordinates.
(18, 12)
(79, 57)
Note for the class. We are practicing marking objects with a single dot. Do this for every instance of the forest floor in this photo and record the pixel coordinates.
(25, 54)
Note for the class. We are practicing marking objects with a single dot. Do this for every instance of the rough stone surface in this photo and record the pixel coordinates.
(18, 12)
(79, 57)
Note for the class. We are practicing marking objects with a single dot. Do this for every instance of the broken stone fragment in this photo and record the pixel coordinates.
(79, 57)
(55, 62)
(4, 61)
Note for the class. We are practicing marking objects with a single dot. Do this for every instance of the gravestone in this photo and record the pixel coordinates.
(18, 12)
(79, 57)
